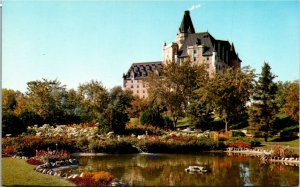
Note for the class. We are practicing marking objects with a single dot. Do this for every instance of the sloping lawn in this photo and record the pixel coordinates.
(293, 145)
(18, 172)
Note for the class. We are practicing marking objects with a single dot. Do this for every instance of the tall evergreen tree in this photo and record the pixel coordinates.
(263, 109)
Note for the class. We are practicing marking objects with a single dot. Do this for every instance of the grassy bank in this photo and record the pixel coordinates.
(293, 145)
(18, 172)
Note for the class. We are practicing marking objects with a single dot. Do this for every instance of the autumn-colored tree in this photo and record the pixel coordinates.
(138, 106)
(227, 93)
(291, 107)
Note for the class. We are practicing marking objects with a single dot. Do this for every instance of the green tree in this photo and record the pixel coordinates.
(8, 100)
(11, 124)
(291, 106)
(175, 89)
(263, 109)
(45, 99)
(227, 93)
(71, 107)
(152, 116)
(94, 99)
(281, 93)
(115, 117)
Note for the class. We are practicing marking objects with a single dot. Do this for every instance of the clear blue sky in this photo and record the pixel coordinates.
(77, 41)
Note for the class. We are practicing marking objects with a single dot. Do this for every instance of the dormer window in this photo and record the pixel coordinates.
(195, 51)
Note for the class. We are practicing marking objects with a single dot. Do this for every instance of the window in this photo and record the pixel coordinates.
(143, 86)
(143, 91)
(131, 81)
(143, 96)
(137, 80)
(137, 91)
(195, 51)
(195, 59)
(137, 86)
(207, 58)
(131, 86)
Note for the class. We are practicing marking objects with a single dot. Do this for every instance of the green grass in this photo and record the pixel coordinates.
(18, 172)
(294, 144)
(183, 122)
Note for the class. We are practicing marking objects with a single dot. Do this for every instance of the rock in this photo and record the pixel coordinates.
(44, 171)
(195, 169)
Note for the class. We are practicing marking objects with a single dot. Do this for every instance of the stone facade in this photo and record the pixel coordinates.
(200, 48)
(133, 79)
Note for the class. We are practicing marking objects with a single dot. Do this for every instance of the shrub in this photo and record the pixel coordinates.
(104, 178)
(153, 117)
(34, 161)
(238, 134)
(289, 132)
(281, 151)
(51, 156)
(9, 150)
(239, 144)
(93, 179)
(30, 118)
(255, 142)
(137, 129)
(11, 124)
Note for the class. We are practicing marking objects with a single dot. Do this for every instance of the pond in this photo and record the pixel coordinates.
(169, 170)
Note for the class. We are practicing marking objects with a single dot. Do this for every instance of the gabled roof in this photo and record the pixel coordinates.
(186, 25)
(142, 69)
(203, 38)
(210, 44)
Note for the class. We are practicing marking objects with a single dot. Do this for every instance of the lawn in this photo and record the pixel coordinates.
(293, 145)
(18, 172)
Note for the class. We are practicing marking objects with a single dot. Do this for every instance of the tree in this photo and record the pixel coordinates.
(8, 100)
(45, 99)
(11, 124)
(114, 116)
(263, 109)
(138, 106)
(291, 107)
(94, 100)
(152, 116)
(227, 93)
(174, 89)
(71, 107)
(282, 88)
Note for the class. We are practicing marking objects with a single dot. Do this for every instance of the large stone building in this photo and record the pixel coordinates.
(200, 48)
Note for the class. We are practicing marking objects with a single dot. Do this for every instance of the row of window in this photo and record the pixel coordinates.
(195, 59)
(136, 86)
(139, 92)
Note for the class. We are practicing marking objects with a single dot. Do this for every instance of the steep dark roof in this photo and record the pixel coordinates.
(203, 38)
(186, 25)
(210, 45)
(142, 69)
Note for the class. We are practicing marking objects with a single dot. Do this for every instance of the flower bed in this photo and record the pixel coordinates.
(93, 179)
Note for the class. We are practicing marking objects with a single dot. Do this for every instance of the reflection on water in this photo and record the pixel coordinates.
(168, 170)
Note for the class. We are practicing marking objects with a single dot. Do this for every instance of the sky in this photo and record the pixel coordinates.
(79, 41)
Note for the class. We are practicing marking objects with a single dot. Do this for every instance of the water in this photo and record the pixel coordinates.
(168, 170)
